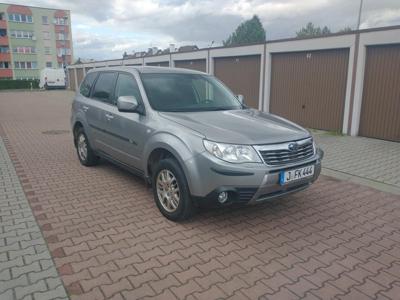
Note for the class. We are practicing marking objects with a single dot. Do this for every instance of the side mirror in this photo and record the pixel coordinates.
(240, 98)
(127, 104)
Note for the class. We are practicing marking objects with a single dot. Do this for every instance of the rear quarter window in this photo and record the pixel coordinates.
(87, 84)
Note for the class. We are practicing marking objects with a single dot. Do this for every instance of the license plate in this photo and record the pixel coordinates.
(295, 174)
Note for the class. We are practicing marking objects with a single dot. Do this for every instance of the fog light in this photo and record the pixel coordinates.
(222, 197)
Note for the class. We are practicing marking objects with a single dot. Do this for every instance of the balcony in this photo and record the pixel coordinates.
(3, 24)
(63, 44)
(5, 57)
(61, 28)
(67, 59)
(4, 40)
(6, 73)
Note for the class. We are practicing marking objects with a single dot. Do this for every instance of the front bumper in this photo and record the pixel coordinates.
(244, 183)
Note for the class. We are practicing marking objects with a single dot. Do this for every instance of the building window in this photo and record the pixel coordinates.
(49, 64)
(4, 64)
(45, 20)
(61, 21)
(63, 51)
(46, 35)
(20, 34)
(4, 49)
(47, 50)
(20, 18)
(25, 64)
(61, 36)
(26, 50)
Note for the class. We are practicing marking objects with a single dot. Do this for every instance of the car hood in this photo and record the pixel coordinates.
(247, 126)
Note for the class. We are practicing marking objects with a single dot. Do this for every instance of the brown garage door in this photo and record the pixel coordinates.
(159, 64)
(309, 87)
(380, 112)
(79, 75)
(195, 64)
(71, 79)
(242, 75)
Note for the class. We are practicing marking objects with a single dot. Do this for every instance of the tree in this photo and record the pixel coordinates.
(248, 32)
(310, 30)
(345, 29)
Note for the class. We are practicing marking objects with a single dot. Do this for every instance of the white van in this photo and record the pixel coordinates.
(52, 78)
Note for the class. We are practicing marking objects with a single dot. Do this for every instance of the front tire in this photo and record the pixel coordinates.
(86, 155)
(171, 191)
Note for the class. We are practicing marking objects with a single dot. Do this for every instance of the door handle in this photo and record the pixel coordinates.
(109, 116)
(85, 108)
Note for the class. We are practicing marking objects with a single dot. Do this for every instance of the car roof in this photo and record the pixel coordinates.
(148, 70)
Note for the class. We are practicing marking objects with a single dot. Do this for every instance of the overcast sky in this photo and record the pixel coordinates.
(104, 29)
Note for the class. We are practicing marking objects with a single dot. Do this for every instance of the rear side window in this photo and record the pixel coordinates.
(127, 86)
(87, 84)
(104, 87)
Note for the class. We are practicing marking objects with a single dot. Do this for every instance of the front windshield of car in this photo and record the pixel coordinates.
(187, 92)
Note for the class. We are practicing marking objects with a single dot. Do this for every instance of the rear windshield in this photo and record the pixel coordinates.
(187, 92)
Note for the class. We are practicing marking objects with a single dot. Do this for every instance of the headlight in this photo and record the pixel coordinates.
(232, 153)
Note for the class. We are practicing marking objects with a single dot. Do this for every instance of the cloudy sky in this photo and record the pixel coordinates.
(104, 29)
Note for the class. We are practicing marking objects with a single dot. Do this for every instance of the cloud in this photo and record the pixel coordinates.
(105, 29)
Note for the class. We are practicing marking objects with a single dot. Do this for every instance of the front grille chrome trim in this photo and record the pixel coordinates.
(279, 154)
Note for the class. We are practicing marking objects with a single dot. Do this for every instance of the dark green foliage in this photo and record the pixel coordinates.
(10, 84)
(345, 29)
(249, 32)
(311, 30)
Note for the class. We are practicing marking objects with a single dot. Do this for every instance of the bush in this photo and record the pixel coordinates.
(10, 84)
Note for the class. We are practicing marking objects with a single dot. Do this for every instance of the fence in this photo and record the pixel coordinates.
(348, 83)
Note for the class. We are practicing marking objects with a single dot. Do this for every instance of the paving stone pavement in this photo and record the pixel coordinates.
(335, 240)
(372, 159)
(26, 268)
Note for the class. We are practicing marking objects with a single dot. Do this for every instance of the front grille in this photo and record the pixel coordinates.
(281, 155)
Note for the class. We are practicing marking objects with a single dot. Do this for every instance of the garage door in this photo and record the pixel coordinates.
(71, 79)
(309, 88)
(79, 75)
(242, 75)
(159, 64)
(380, 111)
(196, 64)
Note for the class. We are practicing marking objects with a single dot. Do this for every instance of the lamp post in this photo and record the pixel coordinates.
(359, 15)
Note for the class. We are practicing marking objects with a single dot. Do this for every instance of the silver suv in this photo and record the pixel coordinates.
(190, 137)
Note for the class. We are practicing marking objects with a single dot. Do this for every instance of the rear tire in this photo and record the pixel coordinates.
(86, 155)
(171, 191)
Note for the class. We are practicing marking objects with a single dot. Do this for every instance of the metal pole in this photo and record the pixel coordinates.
(359, 15)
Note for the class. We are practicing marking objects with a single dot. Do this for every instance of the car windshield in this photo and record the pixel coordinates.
(187, 92)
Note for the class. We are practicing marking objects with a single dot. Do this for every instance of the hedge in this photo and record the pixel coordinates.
(10, 84)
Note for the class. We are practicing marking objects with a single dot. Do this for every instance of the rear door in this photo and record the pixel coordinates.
(126, 131)
(99, 105)
(84, 105)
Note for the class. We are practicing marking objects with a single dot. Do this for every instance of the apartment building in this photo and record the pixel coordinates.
(32, 38)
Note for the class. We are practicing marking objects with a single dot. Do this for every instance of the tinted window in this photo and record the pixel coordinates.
(87, 84)
(104, 87)
(187, 92)
(127, 86)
